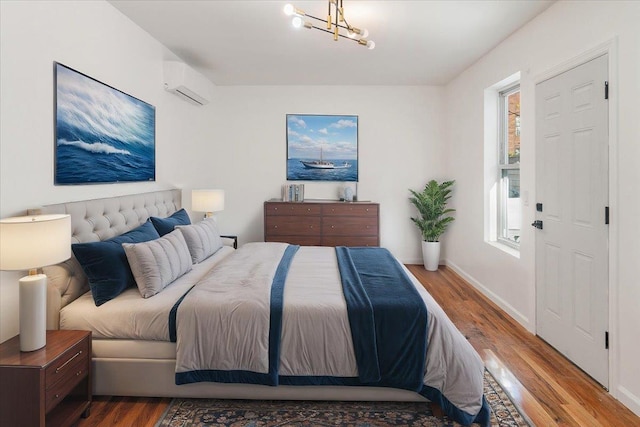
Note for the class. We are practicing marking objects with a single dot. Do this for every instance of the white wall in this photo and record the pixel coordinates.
(400, 143)
(238, 142)
(564, 31)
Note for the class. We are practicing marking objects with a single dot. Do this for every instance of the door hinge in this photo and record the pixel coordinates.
(606, 340)
(606, 214)
(606, 90)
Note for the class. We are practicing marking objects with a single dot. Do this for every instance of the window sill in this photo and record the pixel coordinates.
(504, 248)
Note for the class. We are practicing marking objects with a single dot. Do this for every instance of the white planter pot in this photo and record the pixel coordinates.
(431, 255)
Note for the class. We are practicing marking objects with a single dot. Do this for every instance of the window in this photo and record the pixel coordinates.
(508, 196)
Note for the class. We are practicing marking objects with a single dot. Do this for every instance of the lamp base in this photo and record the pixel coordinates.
(33, 312)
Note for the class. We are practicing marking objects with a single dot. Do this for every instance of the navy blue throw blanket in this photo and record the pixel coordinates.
(388, 318)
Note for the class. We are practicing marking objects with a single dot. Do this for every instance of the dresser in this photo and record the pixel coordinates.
(322, 223)
(47, 387)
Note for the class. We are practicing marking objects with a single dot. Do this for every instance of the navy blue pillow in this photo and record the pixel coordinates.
(166, 225)
(105, 263)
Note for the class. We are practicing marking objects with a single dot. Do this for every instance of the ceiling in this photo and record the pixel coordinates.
(419, 42)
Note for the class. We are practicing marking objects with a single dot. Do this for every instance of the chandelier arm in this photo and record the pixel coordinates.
(348, 27)
(331, 32)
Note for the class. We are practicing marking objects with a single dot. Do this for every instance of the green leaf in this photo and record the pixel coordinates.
(431, 202)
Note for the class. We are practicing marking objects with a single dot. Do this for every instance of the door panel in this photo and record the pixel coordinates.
(572, 184)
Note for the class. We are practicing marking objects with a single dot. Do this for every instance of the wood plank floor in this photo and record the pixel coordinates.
(550, 390)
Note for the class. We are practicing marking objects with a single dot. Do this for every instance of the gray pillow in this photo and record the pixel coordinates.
(203, 239)
(157, 263)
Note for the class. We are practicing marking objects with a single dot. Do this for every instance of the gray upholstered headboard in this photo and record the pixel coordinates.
(92, 221)
(102, 219)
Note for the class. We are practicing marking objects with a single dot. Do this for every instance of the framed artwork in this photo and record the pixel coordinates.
(102, 135)
(322, 148)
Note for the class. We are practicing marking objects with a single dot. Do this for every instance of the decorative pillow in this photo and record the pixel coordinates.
(105, 263)
(166, 225)
(159, 262)
(203, 239)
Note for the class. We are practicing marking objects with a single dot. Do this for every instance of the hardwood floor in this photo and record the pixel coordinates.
(549, 389)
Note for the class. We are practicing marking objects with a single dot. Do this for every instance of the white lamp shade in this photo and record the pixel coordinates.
(207, 200)
(35, 241)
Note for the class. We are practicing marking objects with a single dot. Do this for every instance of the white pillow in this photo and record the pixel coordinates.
(157, 263)
(203, 239)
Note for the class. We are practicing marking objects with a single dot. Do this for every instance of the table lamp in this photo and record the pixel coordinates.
(208, 201)
(28, 243)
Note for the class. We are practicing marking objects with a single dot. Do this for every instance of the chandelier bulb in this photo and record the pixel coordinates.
(290, 10)
(364, 33)
(297, 22)
(371, 45)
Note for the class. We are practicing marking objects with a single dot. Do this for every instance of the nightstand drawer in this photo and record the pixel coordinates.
(67, 363)
(74, 372)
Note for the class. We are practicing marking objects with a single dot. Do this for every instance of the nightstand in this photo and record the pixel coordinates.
(232, 237)
(46, 387)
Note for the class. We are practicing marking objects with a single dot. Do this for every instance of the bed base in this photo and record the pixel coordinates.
(155, 378)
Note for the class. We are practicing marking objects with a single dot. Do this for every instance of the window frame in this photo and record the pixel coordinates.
(503, 165)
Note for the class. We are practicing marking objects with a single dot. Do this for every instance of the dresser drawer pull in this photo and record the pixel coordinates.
(308, 209)
(311, 226)
(275, 226)
(58, 369)
(333, 226)
(78, 373)
(57, 396)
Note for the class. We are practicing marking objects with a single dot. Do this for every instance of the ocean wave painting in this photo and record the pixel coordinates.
(322, 148)
(102, 134)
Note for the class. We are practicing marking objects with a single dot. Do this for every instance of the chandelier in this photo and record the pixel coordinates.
(335, 23)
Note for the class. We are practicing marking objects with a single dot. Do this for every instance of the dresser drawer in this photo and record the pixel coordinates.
(294, 226)
(350, 226)
(59, 368)
(350, 209)
(291, 209)
(350, 241)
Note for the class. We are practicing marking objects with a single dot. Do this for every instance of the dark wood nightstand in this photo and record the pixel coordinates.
(46, 387)
(232, 237)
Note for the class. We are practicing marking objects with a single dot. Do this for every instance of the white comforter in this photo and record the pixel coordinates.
(231, 303)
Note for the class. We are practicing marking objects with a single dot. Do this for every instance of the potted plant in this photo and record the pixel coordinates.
(433, 218)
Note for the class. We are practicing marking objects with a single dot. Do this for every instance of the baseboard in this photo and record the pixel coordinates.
(515, 314)
(629, 400)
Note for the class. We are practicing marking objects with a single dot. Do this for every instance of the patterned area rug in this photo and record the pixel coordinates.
(254, 413)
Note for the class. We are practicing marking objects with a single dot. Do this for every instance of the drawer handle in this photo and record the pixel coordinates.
(275, 209)
(367, 209)
(78, 373)
(308, 209)
(311, 226)
(57, 396)
(333, 226)
(61, 367)
(275, 226)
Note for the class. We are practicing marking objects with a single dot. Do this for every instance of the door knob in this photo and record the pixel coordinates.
(537, 224)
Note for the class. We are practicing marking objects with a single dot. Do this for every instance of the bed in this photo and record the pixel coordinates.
(139, 348)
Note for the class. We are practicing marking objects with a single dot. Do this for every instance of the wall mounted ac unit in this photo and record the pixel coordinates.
(185, 82)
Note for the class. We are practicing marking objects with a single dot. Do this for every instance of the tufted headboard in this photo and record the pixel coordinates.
(92, 221)
(101, 219)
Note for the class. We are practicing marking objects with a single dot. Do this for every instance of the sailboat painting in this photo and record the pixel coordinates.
(322, 148)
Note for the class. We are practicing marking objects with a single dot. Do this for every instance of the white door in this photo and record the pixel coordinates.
(572, 307)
